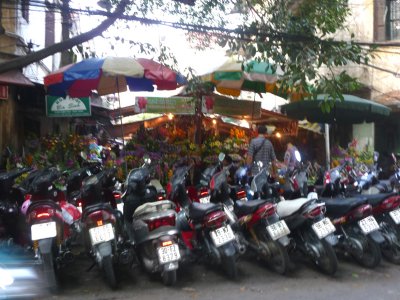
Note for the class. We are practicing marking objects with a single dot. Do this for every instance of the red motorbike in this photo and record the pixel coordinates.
(52, 222)
(204, 227)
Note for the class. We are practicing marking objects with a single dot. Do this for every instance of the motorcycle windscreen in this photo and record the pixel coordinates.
(259, 181)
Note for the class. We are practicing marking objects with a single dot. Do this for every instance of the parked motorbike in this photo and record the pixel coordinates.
(151, 225)
(357, 230)
(257, 220)
(9, 215)
(102, 224)
(205, 228)
(51, 221)
(311, 230)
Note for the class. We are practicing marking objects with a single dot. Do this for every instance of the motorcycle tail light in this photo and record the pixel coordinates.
(241, 194)
(362, 211)
(166, 243)
(161, 197)
(41, 213)
(391, 203)
(315, 212)
(27, 197)
(215, 219)
(203, 193)
(159, 222)
(98, 218)
(117, 196)
(266, 210)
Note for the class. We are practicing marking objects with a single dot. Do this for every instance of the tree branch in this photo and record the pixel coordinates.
(20, 62)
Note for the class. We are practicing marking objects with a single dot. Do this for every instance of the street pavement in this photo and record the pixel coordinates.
(256, 282)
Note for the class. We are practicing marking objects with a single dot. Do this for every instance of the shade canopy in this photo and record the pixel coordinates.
(234, 76)
(351, 110)
(111, 75)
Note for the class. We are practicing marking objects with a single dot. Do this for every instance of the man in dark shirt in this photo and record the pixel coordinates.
(260, 149)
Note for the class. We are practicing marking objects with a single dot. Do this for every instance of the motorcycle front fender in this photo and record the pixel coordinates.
(377, 237)
(104, 249)
(45, 245)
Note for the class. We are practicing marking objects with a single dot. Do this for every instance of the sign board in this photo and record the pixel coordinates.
(67, 107)
(174, 105)
(230, 107)
(4, 92)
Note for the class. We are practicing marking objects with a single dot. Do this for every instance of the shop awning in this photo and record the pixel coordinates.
(15, 77)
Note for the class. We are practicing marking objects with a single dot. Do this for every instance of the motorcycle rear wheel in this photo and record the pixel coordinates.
(326, 260)
(108, 268)
(49, 271)
(280, 260)
(371, 256)
(230, 267)
(169, 277)
(327, 263)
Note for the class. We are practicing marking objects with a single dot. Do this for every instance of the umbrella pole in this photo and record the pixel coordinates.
(122, 129)
(327, 147)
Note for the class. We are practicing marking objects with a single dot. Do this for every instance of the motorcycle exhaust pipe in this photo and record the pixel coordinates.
(242, 248)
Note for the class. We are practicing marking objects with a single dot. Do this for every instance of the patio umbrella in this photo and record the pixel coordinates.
(351, 110)
(234, 76)
(111, 75)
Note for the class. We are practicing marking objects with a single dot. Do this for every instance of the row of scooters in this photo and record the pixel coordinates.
(215, 221)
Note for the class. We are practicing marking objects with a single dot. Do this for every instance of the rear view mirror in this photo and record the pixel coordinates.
(147, 159)
(221, 157)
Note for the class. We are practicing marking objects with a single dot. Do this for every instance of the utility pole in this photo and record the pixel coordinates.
(66, 57)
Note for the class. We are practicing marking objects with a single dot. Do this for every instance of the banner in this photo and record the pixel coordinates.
(174, 105)
(230, 107)
(67, 107)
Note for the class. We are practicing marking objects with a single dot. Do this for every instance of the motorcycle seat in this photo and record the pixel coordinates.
(199, 210)
(377, 199)
(288, 207)
(245, 208)
(94, 207)
(337, 207)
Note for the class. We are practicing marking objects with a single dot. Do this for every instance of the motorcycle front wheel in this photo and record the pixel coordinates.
(108, 268)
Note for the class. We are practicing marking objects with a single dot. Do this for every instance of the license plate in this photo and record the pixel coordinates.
(278, 230)
(222, 235)
(43, 231)
(395, 215)
(368, 224)
(168, 254)
(323, 228)
(205, 199)
(101, 234)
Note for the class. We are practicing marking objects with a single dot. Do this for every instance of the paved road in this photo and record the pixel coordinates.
(256, 282)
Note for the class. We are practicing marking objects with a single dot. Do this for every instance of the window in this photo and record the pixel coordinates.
(387, 20)
(393, 20)
(25, 9)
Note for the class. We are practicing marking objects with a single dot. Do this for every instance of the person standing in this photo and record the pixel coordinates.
(290, 161)
(260, 149)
